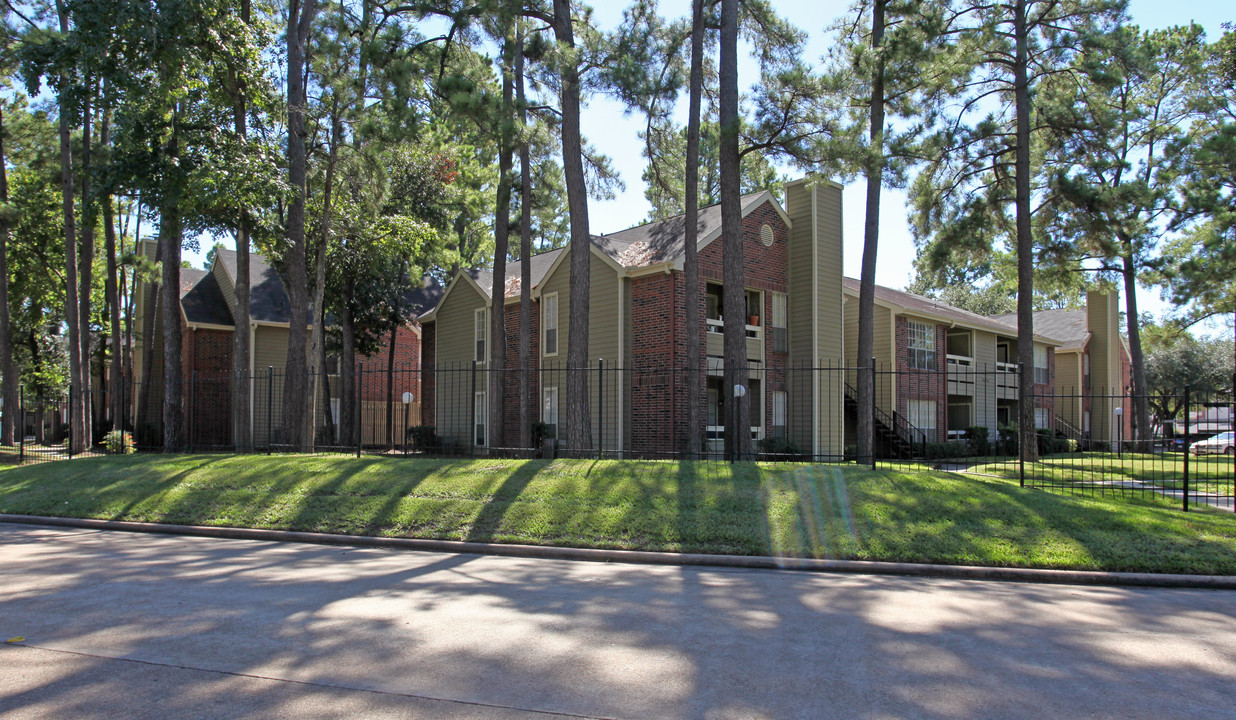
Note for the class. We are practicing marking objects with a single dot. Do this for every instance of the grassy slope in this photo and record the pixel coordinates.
(785, 510)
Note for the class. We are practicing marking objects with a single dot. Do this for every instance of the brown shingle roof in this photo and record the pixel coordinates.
(935, 308)
(1070, 327)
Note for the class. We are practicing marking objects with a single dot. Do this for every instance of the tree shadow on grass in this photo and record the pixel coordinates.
(485, 527)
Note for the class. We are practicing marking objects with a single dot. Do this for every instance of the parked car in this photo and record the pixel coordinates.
(1223, 443)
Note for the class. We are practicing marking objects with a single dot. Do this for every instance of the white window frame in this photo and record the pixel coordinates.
(545, 328)
(780, 411)
(917, 410)
(1042, 373)
(480, 335)
(1043, 413)
(920, 345)
(480, 408)
(779, 313)
(549, 409)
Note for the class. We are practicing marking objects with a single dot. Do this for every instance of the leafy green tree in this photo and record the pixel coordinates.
(885, 64)
(1198, 267)
(1112, 180)
(977, 190)
(1175, 359)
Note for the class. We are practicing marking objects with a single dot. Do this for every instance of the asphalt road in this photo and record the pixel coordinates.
(147, 626)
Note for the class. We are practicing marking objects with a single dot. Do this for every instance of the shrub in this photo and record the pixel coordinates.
(1007, 443)
(780, 446)
(540, 433)
(423, 437)
(119, 442)
(976, 440)
(944, 450)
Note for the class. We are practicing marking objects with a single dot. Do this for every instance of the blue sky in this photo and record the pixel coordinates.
(616, 135)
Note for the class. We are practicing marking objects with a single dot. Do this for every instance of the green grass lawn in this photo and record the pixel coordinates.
(915, 515)
(1209, 473)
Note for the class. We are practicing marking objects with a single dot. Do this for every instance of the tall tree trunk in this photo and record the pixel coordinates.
(151, 303)
(317, 341)
(496, 394)
(690, 264)
(1025, 239)
(85, 279)
(171, 233)
(526, 402)
(128, 286)
(115, 392)
(738, 409)
(327, 415)
(347, 374)
(579, 420)
(242, 380)
(1137, 362)
(77, 418)
(871, 240)
(9, 392)
(295, 426)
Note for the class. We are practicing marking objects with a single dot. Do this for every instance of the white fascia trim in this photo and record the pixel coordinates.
(433, 314)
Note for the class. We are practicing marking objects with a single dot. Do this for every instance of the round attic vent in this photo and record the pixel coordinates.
(766, 235)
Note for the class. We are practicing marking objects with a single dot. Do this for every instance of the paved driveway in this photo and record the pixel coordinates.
(147, 626)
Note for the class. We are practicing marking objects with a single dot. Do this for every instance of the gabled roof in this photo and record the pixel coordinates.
(539, 265)
(913, 304)
(646, 245)
(268, 300)
(1070, 327)
(203, 301)
(661, 241)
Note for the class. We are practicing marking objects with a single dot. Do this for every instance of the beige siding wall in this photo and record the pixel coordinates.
(456, 349)
(817, 327)
(226, 286)
(604, 320)
(882, 349)
(1069, 387)
(1103, 316)
(270, 350)
(985, 395)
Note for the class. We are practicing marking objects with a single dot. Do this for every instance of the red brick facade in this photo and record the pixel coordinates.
(206, 355)
(658, 321)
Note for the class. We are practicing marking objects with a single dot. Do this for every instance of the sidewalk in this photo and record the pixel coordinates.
(138, 625)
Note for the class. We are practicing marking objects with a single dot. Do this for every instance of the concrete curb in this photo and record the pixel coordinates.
(865, 567)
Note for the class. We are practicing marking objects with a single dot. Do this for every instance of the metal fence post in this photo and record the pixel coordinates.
(270, 402)
(70, 419)
(21, 425)
(192, 405)
(601, 407)
(1185, 494)
(873, 413)
(472, 414)
(1021, 421)
(357, 414)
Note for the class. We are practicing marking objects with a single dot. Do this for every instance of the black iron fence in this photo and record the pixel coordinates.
(963, 418)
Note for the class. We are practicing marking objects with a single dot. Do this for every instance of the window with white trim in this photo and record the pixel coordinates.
(549, 324)
(549, 411)
(921, 342)
(481, 332)
(1042, 374)
(1042, 418)
(778, 321)
(922, 415)
(480, 410)
(780, 401)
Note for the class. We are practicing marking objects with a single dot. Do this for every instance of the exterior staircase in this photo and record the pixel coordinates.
(893, 434)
